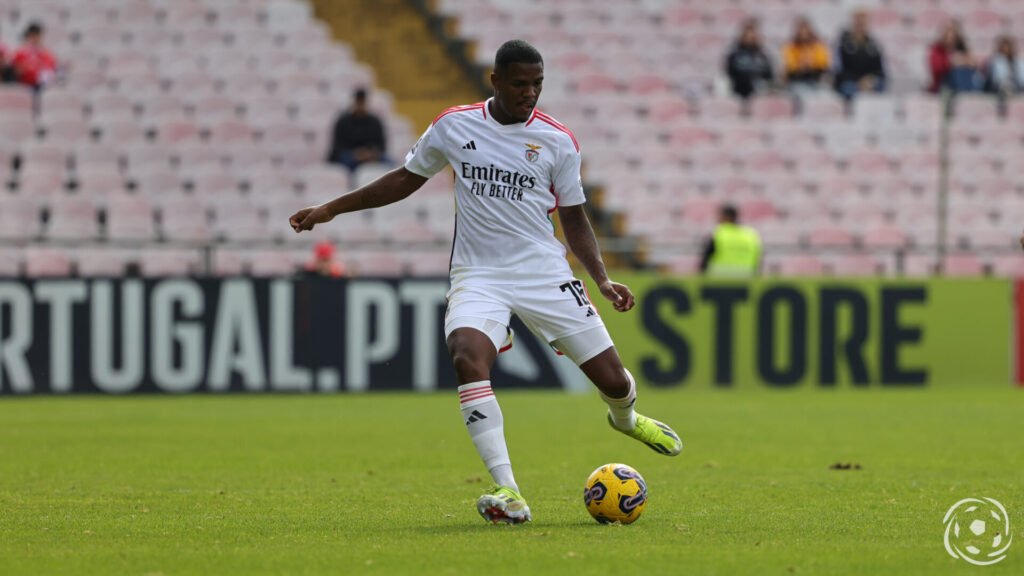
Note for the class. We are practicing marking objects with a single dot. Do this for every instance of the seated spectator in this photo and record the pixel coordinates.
(748, 66)
(33, 63)
(1005, 72)
(951, 62)
(805, 58)
(358, 136)
(323, 262)
(733, 250)
(6, 74)
(860, 67)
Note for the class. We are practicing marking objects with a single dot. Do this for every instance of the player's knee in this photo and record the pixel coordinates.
(615, 383)
(469, 367)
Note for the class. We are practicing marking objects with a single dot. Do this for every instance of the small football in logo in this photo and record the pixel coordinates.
(978, 531)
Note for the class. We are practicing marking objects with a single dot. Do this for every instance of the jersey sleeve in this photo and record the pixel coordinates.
(427, 156)
(568, 185)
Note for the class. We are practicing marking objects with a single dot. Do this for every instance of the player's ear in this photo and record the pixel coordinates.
(494, 81)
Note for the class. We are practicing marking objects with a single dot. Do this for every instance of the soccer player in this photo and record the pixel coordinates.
(514, 166)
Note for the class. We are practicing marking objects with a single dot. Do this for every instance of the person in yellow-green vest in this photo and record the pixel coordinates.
(733, 250)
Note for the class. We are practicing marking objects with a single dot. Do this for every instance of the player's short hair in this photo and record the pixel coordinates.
(515, 51)
(730, 213)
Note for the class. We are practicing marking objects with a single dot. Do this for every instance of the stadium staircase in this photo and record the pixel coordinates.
(392, 37)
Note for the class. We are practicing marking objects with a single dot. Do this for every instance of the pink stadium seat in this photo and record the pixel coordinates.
(214, 107)
(157, 182)
(130, 219)
(100, 182)
(800, 266)
(123, 131)
(158, 262)
(212, 182)
(177, 131)
(771, 107)
(62, 103)
(103, 262)
(15, 100)
(19, 218)
(44, 262)
(271, 263)
(595, 83)
(830, 237)
(432, 264)
(964, 264)
(974, 109)
(184, 218)
(227, 262)
(10, 262)
(230, 132)
(94, 156)
(377, 264)
(855, 265)
(1011, 266)
(822, 107)
(16, 129)
(143, 158)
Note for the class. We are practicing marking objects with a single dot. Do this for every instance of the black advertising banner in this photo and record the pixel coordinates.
(185, 335)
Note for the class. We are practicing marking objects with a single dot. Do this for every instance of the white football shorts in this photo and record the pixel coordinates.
(560, 313)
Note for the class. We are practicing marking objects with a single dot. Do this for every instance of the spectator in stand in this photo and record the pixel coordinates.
(358, 136)
(33, 63)
(6, 74)
(951, 62)
(748, 66)
(805, 58)
(733, 250)
(1005, 72)
(860, 67)
(323, 262)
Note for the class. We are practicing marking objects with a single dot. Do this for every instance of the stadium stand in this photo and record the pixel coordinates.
(181, 134)
(178, 129)
(833, 189)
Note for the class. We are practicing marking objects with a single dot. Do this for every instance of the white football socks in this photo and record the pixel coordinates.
(483, 419)
(621, 409)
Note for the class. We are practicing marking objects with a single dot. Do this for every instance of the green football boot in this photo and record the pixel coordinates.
(658, 436)
(503, 504)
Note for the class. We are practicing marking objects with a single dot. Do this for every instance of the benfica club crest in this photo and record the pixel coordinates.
(532, 152)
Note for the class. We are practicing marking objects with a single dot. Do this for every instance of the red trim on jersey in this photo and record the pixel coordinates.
(533, 115)
(506, 348)
(552, 190)
(452, 110)
(549, 120)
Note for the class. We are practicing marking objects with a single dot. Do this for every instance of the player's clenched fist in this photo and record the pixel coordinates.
(619, 294)
(306, 218)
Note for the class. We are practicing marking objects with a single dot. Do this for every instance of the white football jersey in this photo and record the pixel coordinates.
(508, 181)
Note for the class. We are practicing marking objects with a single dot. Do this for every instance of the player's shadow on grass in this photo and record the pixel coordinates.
(460, 526)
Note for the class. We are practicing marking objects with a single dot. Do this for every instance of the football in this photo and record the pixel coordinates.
(615, 493)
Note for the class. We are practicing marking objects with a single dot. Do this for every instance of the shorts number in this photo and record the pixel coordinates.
(578, 292)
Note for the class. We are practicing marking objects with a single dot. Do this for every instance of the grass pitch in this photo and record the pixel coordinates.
(386, 484)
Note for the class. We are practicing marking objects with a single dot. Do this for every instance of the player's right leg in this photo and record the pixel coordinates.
(476, 328)
(473, 353)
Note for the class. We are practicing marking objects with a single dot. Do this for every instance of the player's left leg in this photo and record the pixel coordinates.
(561, 313)
(618, 390)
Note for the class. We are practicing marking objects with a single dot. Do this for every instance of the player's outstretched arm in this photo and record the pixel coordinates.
(389, 188)
(579, 234)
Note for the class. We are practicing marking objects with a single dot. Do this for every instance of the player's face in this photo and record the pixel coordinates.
(517, 89)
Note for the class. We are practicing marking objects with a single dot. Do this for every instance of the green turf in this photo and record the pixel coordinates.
(385, 484)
